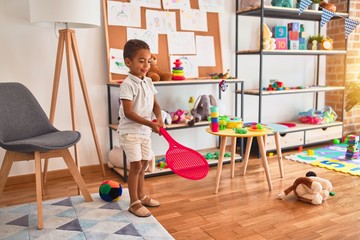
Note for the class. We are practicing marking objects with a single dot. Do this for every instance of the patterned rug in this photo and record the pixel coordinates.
(330, 157)
(74, 219)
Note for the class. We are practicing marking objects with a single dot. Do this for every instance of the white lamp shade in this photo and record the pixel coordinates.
(76, 13)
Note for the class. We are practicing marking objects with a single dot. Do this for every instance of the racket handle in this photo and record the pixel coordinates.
(166, 135)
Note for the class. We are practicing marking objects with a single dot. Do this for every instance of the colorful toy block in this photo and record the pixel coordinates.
(281, 43)
(302, 40)
(293, 36)
(280, 31)
(294, 26)
(302, 46)
(293, 45)
(302, 35)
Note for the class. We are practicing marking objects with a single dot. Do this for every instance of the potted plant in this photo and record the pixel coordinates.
(318, 39)
(315, 5)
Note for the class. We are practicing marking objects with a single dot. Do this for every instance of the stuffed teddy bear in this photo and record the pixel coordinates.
(268, 42)
(154, 72)
(181, 116)
(201, 110)
(309, 189)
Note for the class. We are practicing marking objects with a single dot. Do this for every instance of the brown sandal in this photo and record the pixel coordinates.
(149, 202)
(140, 210)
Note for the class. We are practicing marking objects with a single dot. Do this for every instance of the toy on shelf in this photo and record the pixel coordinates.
(293, 33)
(352, 149)
(221, 75)
(178, 71)
(154, 72)
(214, 113)
(282, 3)
(326, 115)
(223, 85)
(201, 110)
(215, 155)
(182, 116)
(328, 6)
(268, 42)
(309, 189)
(281, 38)
(161, 163)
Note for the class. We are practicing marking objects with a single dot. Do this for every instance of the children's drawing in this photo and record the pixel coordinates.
(160, 21)
(181, 43)
(176, 4)
(205, 51)
(147, 36)
(148, 3)
(124, 14)
(211, 5)
(117, 63)
(189, 63)
(193, 20)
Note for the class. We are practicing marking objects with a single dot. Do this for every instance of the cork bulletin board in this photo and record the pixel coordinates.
(116, 37)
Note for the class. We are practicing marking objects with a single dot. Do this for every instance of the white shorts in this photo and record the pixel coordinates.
(136, 146)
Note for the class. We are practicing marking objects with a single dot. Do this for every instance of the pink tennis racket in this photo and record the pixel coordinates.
(184, 161)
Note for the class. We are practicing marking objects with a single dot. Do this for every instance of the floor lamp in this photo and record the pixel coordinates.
(72, 14)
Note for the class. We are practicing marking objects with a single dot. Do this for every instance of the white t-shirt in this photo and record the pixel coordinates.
(141, 92)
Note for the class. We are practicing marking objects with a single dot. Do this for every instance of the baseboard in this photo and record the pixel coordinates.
(51, 175)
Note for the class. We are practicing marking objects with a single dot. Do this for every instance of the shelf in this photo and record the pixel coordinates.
(162, 171)
(197, 81)
(292, 91)
(288, 13)
(173, 126)
(293, 52)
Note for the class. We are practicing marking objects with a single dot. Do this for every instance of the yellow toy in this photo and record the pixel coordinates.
(268, 42)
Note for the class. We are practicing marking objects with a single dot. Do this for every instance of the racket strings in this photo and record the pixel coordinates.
(188, 163)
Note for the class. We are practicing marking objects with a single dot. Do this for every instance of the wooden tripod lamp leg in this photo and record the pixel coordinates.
(86, 99)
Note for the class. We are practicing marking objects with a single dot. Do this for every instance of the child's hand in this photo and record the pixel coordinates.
(156, 125)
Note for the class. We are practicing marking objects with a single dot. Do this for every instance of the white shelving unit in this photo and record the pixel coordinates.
(239, 90)
(301, 134)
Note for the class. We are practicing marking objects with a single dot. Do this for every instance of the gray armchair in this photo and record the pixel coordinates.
(27, 134)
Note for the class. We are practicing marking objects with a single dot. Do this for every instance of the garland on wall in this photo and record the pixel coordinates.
(326, 15)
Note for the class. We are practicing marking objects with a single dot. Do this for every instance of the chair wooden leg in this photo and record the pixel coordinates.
(38, 181)
(76, 174)
(5, 169)
(46, 164)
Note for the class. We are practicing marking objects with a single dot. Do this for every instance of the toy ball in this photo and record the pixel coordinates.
(110, 191)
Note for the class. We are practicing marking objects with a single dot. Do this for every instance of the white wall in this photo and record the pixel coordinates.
(27, 55)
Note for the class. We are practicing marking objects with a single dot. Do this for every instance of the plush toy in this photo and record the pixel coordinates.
(328, 6)
(268, 42)
(166, 117)
(154, 73)
(201, 110)
(309, 189)
(181, 116)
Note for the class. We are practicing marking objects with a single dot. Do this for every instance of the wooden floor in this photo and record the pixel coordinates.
(243, 208)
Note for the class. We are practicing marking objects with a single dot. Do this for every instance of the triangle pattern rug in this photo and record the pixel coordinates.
(330, 157)
(72, 218)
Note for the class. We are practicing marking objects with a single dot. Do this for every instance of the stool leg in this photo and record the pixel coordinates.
(247, 153)
(220, 163)
(279, 153)
(233, 150)
(264, 160)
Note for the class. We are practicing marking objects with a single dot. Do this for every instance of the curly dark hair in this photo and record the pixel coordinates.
(133, 46)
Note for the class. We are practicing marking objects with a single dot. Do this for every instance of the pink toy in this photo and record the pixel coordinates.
(184, 161)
